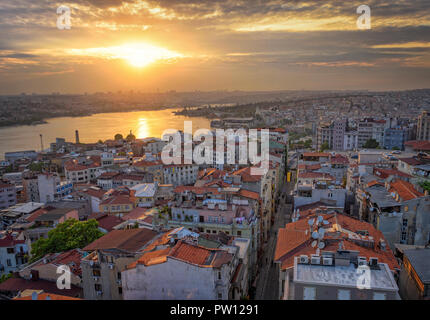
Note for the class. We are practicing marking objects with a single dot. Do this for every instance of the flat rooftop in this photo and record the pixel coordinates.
(344, 276)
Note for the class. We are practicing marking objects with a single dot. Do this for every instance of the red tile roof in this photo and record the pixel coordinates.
(136, 213)
(405, 190)
(316, 154)
(19, 284)
(295, 240)
(249, 194)
(106, 221)
(385, 173)
(411, 161)
(10, 241)
(46, 296)
(419, 145)
(246, 175)
(131, 240)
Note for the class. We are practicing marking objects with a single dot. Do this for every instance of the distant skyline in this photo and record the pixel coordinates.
(208, 45)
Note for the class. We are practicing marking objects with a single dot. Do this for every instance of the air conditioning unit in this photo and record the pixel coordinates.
(315, 259)
(362, 261)
(327, 261)
(304, 259)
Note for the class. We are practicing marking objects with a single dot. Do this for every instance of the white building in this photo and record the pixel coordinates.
(183, 272)
(182, 174)
(52, 188)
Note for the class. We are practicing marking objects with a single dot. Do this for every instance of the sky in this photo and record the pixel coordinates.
(188, 45)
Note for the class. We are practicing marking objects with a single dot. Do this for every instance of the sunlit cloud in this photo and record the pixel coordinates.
(405, 45)
(136, 54)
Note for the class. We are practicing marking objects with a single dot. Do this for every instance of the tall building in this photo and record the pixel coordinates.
(423, 126)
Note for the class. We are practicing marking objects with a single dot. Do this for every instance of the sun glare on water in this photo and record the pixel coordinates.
(138, 55)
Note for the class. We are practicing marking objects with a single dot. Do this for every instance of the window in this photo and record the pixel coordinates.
(219, 296)
(96, 273)
(239, 233)
(9, 262)
(119, 275)
(119, 290)
(98, 287)
(10, 250)
(309, 293)
(219, 275)
(343, 294)
(379, 296)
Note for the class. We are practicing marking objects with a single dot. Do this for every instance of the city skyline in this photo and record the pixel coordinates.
(213, 45)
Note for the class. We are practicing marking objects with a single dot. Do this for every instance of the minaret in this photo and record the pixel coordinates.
(77, 136)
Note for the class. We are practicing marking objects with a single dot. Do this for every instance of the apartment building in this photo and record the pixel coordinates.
(398, 210)
(119, 201)
(82, 170)
(7, 195)
(414, 280)
(52, 188)
(423, 127)
(321, 254)
(181, 174)
(232, 211)
(13, 252)
(185, 271)
(315, 187)
(108, 257)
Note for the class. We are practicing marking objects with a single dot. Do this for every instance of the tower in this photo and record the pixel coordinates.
(77, 136)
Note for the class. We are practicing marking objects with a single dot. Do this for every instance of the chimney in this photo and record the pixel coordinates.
(77, 136)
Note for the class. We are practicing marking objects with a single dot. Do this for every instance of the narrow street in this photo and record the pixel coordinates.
(267, 284)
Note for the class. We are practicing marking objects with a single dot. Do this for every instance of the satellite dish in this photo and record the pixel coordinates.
(315, 235)
(321, 245)
(321, 232)
(320, 219)
(311, 222)
(314, 244)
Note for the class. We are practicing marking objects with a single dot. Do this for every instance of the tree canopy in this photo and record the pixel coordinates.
(68, 235)
(371, 144)
(325, 146)
(425, 185)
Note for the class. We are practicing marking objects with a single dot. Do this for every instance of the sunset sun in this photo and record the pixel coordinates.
(138, 55)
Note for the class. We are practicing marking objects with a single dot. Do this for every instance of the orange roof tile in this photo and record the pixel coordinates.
(405, 190)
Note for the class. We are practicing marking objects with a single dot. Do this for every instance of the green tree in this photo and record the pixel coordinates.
(68, 235)
(119, 136)
(371, 144)
(308, 143)
(36, 166)
(425, 185)
(325, 146)
(4, 277)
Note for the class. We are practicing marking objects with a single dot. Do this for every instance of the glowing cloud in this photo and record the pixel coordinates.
(136, 54)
